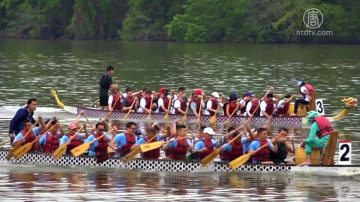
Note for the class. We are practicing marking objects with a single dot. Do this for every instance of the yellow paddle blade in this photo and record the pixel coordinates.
(213, 120)
(11, 153)
(167, 117)
(209, 158)
(59, 151)
(150, 146)
(77, 151)
(22, 150)
(184, 118)
(134, 151)
(239, 161)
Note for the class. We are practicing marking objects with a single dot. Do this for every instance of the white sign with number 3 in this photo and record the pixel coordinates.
(320, 106)
(344, 152)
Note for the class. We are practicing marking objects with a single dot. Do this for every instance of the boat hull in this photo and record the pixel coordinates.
(174, 166)
(98, 113)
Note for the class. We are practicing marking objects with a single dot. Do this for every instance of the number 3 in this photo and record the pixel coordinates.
(320, 107)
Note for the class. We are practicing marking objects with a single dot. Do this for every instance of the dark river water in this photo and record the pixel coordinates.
(31, 68)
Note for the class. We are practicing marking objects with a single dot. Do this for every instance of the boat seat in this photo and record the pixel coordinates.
(329, 153)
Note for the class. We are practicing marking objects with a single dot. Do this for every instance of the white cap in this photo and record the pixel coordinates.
(215, 94)
(209, 131)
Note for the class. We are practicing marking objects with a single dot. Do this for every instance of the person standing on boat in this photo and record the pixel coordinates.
(124, 141)
(177, 148)
(115, 99)
(51, 140)
(20, 137)
(305, 90)
(267, 106)
(231, 105)
(196, 102)
(163, 101)
(319, 134)
(262, 156)
(283, 147)
(146, 102)
(99, 148)
(77, 140)
(204, 146)
(104, 83)
(18, 121)
(252, 106)
(180, 102)
(212, 104)
(282, 107)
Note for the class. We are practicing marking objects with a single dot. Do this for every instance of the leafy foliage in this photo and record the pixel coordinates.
(249, 21)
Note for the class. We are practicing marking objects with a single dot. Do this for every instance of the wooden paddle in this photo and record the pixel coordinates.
(5, 142)
(184, 118)
(17, 145)
(231, 115)
(213, 119)
(132, 105)
(21, 151)
(136, 150)
(209, 158)
(199, 117)
(167, 117)
(61, 150)
(244, 158)
(154, 145)
(79, 150)
(151, 103)
(108, 115)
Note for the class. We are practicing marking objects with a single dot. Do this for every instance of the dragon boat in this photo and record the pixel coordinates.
(349, 103)
(41, 159)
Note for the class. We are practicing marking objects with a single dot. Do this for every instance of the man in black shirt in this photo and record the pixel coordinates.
(105, 82)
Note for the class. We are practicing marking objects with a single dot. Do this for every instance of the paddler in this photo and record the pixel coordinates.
(124, 141)
(319, 134)
(283, 147)
(20, 137)
(196, 102)
(177, 148)
(76, 141)
(99, 148)
(252, 106)
(262, 156)
(146, 102)
(163, 101)
(129, 98)
(205, 145)
(51, 140)
(283, 105)
(150, 133)
(243, 102)
(180, 102)
(231, 105)
(115, 99)
(212, 104)
(267, 106)
(238, 147)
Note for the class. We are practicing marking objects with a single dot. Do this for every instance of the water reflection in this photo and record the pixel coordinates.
(183, 186)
